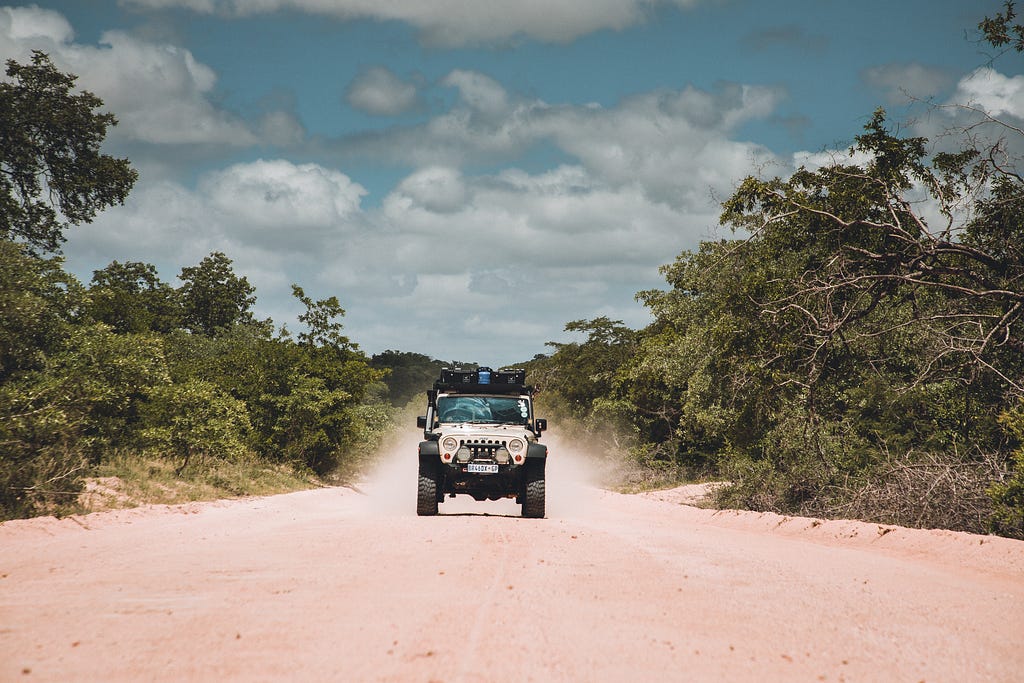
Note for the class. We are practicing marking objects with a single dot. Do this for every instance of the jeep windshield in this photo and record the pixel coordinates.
(490, 409)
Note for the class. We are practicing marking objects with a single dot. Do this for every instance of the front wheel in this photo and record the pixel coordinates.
(426, 492)
(533, 490)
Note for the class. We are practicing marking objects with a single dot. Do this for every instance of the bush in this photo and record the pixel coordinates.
(1008, 493)
(196, 420)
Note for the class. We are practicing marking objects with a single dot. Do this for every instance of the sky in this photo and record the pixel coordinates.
(467, 176)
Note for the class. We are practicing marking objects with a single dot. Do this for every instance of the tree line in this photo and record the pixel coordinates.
(855, 349)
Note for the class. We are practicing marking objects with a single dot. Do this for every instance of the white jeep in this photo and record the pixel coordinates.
(481, 439)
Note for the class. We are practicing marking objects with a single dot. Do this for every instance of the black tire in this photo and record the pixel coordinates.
(426, 492)
(533, 490)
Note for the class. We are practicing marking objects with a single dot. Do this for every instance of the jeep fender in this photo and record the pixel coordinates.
(430, 452)
(537, 451)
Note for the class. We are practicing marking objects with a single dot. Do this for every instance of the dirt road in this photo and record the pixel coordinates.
(340, 585)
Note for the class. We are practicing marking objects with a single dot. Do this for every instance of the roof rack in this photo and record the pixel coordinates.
(483, 381)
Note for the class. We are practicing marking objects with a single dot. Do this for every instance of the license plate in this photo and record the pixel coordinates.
(481, 468)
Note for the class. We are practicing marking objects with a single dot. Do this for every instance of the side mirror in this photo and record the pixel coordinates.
(540, 425)
(426, 422)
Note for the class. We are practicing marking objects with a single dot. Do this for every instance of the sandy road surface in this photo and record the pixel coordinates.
(346, 586)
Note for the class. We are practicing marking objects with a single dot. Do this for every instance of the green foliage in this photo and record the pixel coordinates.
(74, 392)
(39, 303)
(196, 420)
(52, 174)
(130, 297)
(1000, 31)
(103, 379)
(408, 374)
(1008, 494)
(213, 298)
(58, 421)
(581, 372)
(322, 321)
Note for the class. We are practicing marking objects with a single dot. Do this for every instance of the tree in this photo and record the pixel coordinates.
(197, 419)
(963, 283)
(131, 298)
(39, 302)
(586, 371)
(213, 297)
(52, 174)
(322, 321)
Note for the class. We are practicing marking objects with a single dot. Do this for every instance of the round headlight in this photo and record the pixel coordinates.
(515, 446)
(450, 444)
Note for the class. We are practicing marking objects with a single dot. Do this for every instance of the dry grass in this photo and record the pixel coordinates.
(922, 490)
(128, 481)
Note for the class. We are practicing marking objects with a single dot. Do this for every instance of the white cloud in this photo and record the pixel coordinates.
(436, 189)
(993, 92)
(19, 24)
(379, 91)
(674, 145)
(279, 198)
(454, 22)
(160, 93)
(478, 92)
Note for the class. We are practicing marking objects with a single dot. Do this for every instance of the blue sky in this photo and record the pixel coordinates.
(467, 177)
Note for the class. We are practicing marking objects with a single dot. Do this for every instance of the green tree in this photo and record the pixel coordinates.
(52, 174)
(59, 420)
(130, 297)
(322, 319)
(585, 371)
(213, 297)
(195, 420)
(39, 303)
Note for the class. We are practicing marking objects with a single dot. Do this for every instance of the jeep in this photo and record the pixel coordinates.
(481, 439)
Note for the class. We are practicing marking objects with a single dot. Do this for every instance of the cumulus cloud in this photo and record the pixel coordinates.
(161, 93)
(676, 146)
(279, 198)
(278, 208)
(436, 189)
(479, 92)
(901, 83)
(20, 24)
(379, 91)
(454, 22)
(992, 92)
